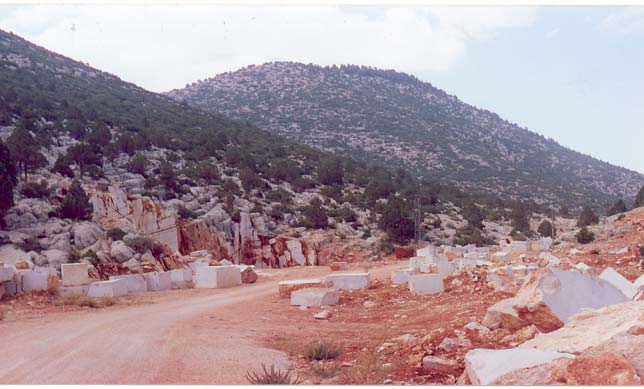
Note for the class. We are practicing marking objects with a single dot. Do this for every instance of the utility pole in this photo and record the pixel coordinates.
(417, 222)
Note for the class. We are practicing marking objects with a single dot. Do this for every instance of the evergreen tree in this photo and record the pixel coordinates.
(7, 180)
(84, 155)
(25, 151)
(546, 229)
(639, 200)
(587, 217)
(474, 216)
(315, 215)
(585, 236)
(618, 207)
(330, 173)
(76, 204)
(520, 219)
(396, 220)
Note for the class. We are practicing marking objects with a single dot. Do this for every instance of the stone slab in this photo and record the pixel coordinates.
(337, 266)
(196, 265)
(136, 283)
(74, 274)
(400, 277)
(483, 366)
(71, 290)
(289, 286)
(218, 277)
(32, 280)
(315, 297)
(158, 281)
(619, 281)
(349, 281)
(111, 288)
(180, 277)
(6, 273)
(424, 284)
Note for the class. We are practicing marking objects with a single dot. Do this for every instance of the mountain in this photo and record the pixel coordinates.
(398, 121)
(75, 121)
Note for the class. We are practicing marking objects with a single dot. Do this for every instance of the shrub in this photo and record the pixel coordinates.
(74, 256)
(272, 376)
(36, 190)
(585, 236)
(587, 217)
(618, 207)
(138, 164)
(314, 215)
(321, 351)
(185, 213)
(474, 216)
(546, 229)
(76, 203)
(29, 244)
(115, 234)
(140, 244)
(469, 235)
(396, 221)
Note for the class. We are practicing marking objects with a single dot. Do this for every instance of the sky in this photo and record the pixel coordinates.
(571, 73)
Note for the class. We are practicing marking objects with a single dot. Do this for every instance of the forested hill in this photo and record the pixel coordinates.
(391, 118)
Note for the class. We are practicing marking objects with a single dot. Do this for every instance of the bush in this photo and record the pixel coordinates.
(587, 217)
(29, 244)
(185, 213)
(469, 235)
(272, 376)
(36, 190)
(546, 229)
(76, 203)
(115, 234)
(314, 215)
(75, 256)
(140, 244)
(585, 236)
(396, 221)
(321, 351)
(278, 211)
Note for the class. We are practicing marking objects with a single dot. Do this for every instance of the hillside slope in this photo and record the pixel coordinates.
(394, 119)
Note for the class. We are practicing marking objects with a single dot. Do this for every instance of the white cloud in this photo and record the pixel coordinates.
(624, 21)
(164, 47)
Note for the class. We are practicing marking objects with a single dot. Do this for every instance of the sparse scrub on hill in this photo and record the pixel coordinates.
(272, 376)
(140, 244)
(36, 190)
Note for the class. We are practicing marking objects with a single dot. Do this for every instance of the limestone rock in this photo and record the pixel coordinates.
(323, 315)
(56, 257)
(248, 275)
(85, 234)
(438, 363)
(218, 277)
(619, 281)
(111, 288)
(74, 274)
(286, 288)
(315, 297)
(423, 284)
(592, 327)
(549, 297)
(484, 366)
(349, 281)
(400, 277)
(503, 315)
(120, 252)
(136, 283)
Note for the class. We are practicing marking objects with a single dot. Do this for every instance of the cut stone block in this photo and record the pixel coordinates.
(74, 274)
(158, 281)
(315, 297)
(426, 252)
(32, 280)
(400, 277)
(10, 288)
(6, 273)
(111, 288)
(218, 277)
(179, 278)
(417, 262)
(349, 281)
(289, 286)
(503, 315)
(549, 297)
(196, 265)
(483, 366)
(70, 290)
(135, 282)
(619, 281)
(639, 282)
(423, 284)
(337, 266)
(445, 268)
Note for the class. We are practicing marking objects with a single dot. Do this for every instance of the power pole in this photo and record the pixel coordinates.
(417, 222)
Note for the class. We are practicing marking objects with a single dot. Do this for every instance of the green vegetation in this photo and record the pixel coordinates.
(76, 204)
(639, 199)
(584, 235)
(314, 215)
(115, 234)
(546, 229)
(36, 190)
(140, 244)
(587, 217)
(397, 220)
(321, 351)
(272, 376)
(7, 181)
(618, 207)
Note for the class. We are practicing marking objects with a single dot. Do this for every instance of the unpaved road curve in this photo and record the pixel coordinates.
(185, 338)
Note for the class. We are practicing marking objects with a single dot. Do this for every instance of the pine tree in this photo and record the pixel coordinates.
(546, 229)
(520, 219)
(7, 179)
(315, 215)
(639, 200)
(585, 236)
(396, 220)
(587, 217)
(474, 216)
(76, 204)
(25, 151)
(618, 207)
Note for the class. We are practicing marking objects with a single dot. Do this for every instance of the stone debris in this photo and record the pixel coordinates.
(289, 286)
(135, 283)
(315, 297)
(582, 267)
(349, 281)
(503, 315)
(501, 256)
(248, 274)
(218, 277)
(424, 284)
(619, 281)
(74, 274)
(438, 363)
(323, 315)
(549, 297)
(111, 288)
(484, 366)
(339, 266)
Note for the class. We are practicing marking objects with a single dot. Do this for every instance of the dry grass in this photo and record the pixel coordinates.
(321, 350)
(368, 368)
(325, 370)
(272, 376)
(82, 300)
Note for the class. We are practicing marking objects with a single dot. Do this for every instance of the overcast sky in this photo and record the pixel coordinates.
(575, 74)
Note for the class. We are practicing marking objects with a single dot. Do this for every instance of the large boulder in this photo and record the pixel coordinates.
(619, 281)
(550, 297)
(121, 252)
(56, 257)
(503, 315)
(484, 366)
(85, 234)
(592, 327)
